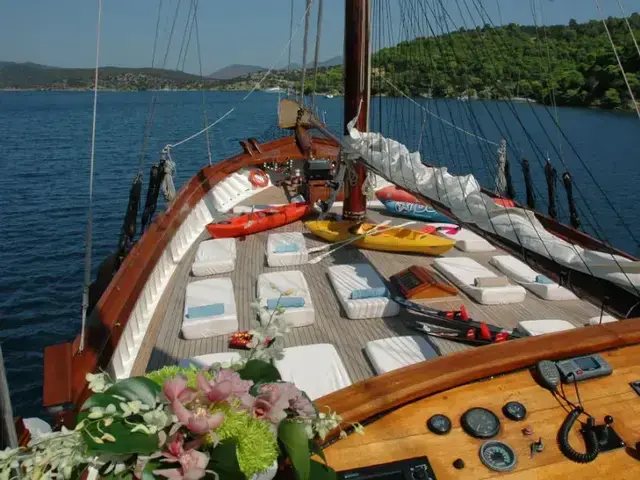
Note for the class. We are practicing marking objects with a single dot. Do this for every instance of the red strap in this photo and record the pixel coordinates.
(485, 333)
(471, 334)
(501, 337)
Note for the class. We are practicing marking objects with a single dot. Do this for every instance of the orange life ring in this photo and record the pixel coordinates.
(258, 178)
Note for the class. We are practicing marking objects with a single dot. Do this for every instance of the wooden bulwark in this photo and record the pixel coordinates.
(112, 312)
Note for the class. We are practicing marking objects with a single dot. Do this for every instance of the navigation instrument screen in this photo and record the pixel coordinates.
(587, 363)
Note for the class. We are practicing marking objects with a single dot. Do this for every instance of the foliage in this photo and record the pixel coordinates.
(227, 423)
(571, 65)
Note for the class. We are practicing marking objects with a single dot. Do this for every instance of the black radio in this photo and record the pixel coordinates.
(318, 170)
(411, 469)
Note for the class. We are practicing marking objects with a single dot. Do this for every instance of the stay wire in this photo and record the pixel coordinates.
(599, 230)
(255, 87)
(89, 232)
(204, 102)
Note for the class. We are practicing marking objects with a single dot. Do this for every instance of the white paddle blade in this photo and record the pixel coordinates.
(288, 114)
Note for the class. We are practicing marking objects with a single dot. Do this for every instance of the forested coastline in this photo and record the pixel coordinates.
(570, 64)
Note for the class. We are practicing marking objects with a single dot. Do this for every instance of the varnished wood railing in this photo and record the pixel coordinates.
(65, 366)
(366, 399)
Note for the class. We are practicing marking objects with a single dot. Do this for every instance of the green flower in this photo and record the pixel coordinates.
(257, 445)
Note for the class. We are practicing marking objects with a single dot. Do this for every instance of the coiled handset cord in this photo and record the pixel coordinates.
(590, 438)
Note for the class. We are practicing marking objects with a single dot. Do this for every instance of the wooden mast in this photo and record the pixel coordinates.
(356, 95)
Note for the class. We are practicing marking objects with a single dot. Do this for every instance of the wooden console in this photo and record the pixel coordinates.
(403, 433)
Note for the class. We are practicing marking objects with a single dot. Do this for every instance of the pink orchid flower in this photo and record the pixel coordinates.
(269, 405)
(214, 391)
(239, 387)
(175, 389)
(193, 463)
(198, 420)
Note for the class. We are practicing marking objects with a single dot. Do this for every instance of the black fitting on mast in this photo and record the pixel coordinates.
(531, 197)
(511, 192)
(573, 211)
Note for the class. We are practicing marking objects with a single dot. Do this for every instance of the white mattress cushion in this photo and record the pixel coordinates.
(389, 354)
(215, 256)
(463, 271)
(315, 369)
(205, 361)
(286, 258)
(361, 276)
(540, 327)
(526, 276)
(466, 240)
(283, 281)
(208, 292)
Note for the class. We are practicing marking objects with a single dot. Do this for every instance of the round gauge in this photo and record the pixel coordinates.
(498, 456)
(439, 424)
(480, 423)
(514, 411)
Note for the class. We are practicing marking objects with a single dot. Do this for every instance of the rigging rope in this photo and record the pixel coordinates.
(317, 54)
(615, 51)
(204, 103)
(290, 34)
(89, 234)
(626, 20)
(426, 110)
(305, 43)
(255, 87)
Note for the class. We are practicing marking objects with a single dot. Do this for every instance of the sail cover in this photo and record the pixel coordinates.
(463, 195)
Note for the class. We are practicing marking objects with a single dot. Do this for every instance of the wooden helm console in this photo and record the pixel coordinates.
(396, 406)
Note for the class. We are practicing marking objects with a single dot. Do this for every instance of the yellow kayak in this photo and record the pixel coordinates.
(393, 240)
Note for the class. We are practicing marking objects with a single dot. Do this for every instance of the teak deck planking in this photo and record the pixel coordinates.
(403, 433)
(164, 346)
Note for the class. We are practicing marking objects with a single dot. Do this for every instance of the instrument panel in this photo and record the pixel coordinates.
(508, 426)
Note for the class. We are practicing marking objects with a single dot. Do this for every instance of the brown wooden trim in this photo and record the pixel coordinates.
(56, 389)
(366, 399)
(112, 312)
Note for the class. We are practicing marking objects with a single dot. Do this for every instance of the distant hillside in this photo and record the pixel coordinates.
(331, 62)
(235, 71)
(35, 76)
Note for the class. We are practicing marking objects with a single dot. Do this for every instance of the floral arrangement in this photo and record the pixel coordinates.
(233, 423)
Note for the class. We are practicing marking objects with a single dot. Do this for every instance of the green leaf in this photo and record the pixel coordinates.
(136, 388)
(319, 471)
(224, 461)
(150, 467)
(99, 400)
(126, 441)
(296, 443)
(259, 371)
(316, 449)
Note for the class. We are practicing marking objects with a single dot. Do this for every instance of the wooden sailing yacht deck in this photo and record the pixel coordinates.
(163, 344)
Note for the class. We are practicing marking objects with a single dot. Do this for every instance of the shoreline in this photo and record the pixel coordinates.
(519, 100)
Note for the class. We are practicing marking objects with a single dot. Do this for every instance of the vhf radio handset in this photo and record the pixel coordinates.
(548, 376)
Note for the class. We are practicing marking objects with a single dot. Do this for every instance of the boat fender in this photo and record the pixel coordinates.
(258, 178)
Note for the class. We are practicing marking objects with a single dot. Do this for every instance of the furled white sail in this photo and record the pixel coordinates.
(462, 194)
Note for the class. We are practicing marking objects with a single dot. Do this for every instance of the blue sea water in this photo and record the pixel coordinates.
(45, 145)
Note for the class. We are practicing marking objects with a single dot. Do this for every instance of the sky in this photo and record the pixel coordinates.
(255, 32)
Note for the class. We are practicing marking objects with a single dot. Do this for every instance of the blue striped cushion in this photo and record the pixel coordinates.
(369, 293)
(205, 311)
(544, 279)
(285, 302)
(286, 248)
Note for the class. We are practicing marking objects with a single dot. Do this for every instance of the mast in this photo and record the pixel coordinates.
(356, 95)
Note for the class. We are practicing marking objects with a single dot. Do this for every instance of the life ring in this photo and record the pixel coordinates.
(258, 178)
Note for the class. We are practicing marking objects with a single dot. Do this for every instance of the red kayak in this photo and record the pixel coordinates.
(396, 194)
(259, 221)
